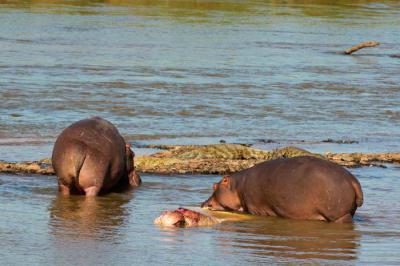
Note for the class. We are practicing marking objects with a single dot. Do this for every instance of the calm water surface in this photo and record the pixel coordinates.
(201, 69)
(39, 226)
(196, 72)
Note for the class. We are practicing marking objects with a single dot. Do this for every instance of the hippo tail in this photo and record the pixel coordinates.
(359, 194)
(79, 160)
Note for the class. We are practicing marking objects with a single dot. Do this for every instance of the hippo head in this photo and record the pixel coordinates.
(134, 178)
(224, 197)
(191, 218)
(179, 218)
(183, 217)
(170, 218)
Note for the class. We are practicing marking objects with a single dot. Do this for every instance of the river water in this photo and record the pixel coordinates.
(196, 72)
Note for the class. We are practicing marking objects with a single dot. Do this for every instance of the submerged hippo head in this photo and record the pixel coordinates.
(170, 218)
(134, 178)
(224, 197)
(184, 218)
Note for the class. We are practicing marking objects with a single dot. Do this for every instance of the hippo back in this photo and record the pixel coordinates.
(300, 187)
(95, 138)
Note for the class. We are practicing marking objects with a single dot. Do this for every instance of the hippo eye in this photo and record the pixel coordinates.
(180, 223)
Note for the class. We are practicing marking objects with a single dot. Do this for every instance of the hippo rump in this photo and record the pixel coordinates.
(91, 157)
(303, 187)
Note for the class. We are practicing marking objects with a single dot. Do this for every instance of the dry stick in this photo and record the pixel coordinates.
(360, 46)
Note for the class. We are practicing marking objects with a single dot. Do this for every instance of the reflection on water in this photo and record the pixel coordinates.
(88, 218)
(293, 239)
(178, 8)
(118, 229)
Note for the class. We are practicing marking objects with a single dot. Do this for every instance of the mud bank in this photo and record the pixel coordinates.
(214, 159)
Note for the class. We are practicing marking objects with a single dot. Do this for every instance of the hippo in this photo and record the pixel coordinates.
(183, 217)
(91, 157)
(305, 187)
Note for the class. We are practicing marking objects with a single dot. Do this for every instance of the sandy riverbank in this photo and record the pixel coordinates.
(213, 159)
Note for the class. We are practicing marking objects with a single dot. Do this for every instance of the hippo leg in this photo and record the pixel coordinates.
(92, 191)
(92, 175)
(344, 219)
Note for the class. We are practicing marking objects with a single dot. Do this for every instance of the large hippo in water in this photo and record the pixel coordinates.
(297, 188)
(90, 156)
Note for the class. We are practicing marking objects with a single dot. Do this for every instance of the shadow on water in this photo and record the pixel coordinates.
(291, 239)
(78, 217)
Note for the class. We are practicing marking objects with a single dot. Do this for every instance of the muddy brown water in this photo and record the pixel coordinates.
(176, 72)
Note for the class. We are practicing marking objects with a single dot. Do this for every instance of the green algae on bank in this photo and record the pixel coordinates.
(213, 159)
(228, 152)
(42, 167)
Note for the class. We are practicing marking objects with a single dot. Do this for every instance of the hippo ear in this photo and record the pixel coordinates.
(225, 180)
(128, 149)
(215, 186)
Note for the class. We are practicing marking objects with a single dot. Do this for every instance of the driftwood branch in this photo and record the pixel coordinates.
(361, 46)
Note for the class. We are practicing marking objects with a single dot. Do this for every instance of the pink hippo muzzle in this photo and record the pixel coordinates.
(182, 217)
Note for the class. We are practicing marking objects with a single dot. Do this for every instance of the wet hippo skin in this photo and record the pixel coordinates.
(183, 217)
(91, 157)
(297, 188)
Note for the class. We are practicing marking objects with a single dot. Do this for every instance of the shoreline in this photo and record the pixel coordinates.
(213, 159)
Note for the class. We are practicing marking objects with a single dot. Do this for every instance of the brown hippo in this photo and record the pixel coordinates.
(297, 188)
(184, 218)
(90, 156)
